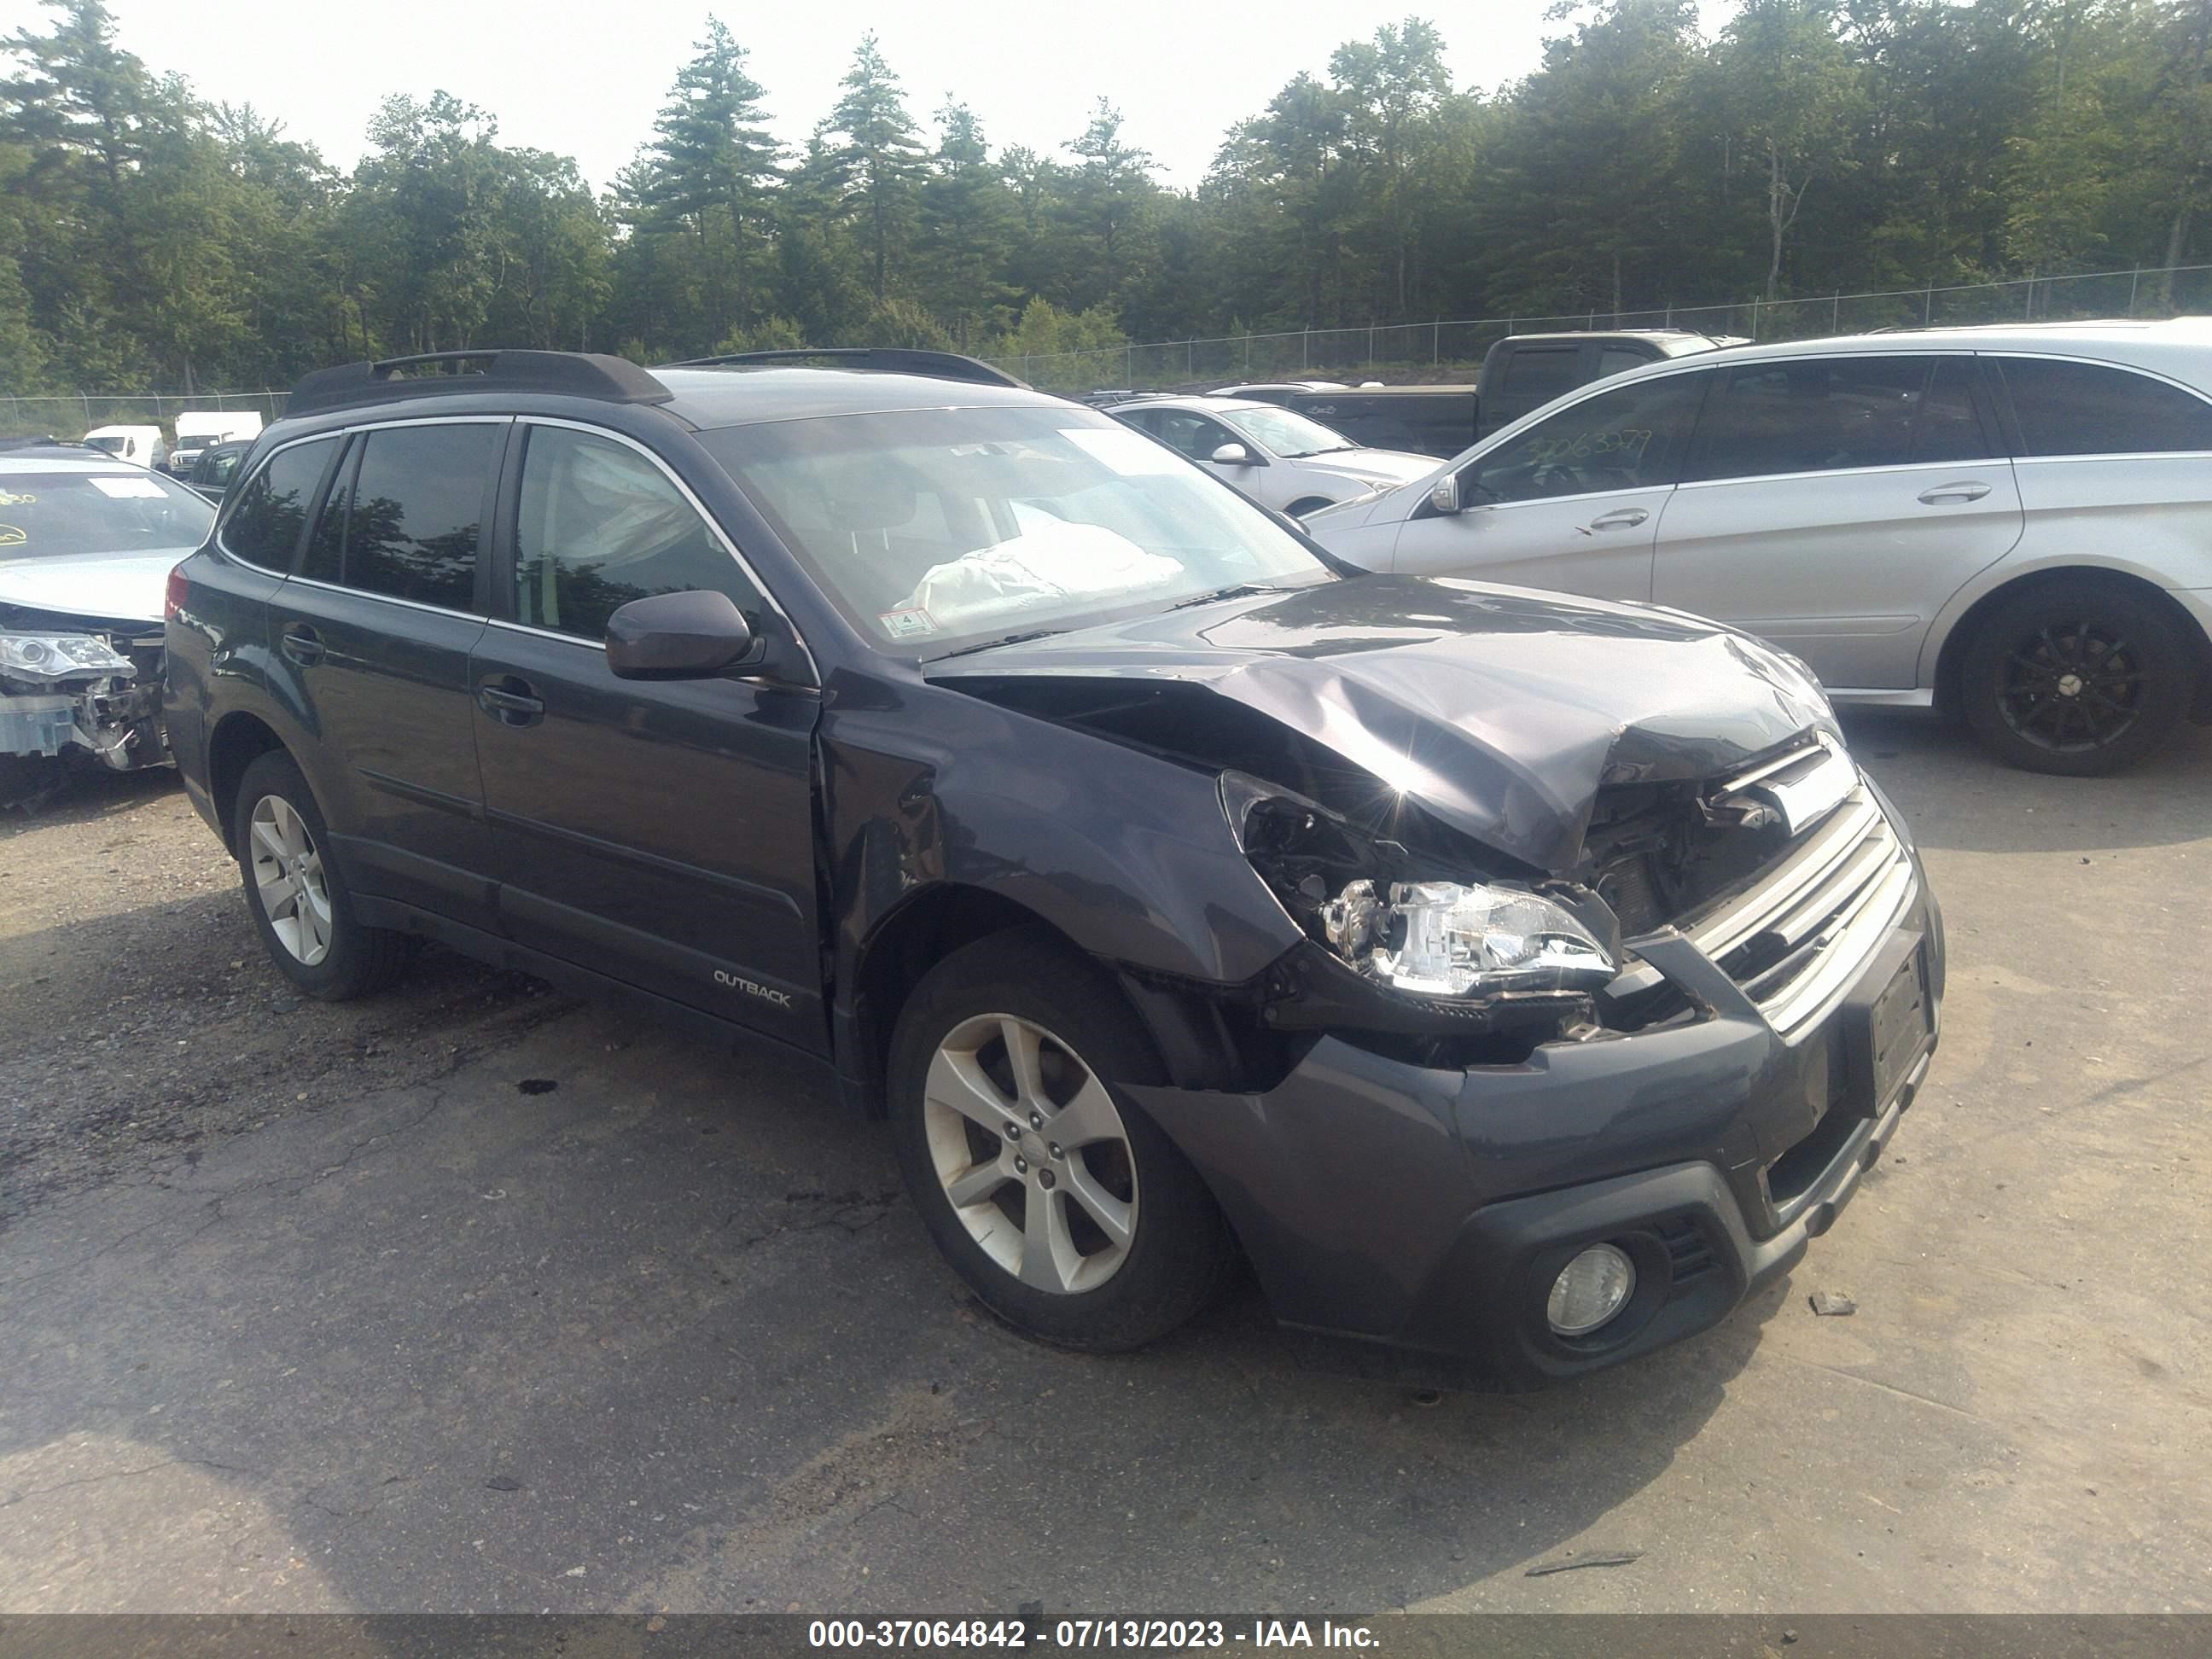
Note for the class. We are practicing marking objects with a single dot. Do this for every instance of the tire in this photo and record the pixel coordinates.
(2077, 678)
(1077, 1285)
(312, 936)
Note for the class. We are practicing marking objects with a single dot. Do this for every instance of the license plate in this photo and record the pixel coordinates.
(1897, 1026)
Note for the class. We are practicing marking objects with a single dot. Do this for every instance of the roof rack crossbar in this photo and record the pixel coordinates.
(576, 373)
(890, 360)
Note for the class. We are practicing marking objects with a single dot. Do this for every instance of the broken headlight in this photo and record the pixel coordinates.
(58, 657)
(1393, 902)
(1459, 939)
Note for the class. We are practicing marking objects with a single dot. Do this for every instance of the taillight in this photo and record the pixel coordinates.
(173, 596)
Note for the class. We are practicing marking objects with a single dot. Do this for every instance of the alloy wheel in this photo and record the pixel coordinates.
(1032, 1153)
(288, 878)
(2072, 686)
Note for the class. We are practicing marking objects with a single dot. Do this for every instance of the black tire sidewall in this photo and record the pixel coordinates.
(346, 969)
(1178, 1260)
(2166, 691)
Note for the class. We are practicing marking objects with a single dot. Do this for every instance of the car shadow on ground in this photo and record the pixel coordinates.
(612, 1300)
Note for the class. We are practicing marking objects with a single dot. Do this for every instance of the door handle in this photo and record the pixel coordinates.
(1626, 518)
(1966, 491)
(301, 644)
(509, 701)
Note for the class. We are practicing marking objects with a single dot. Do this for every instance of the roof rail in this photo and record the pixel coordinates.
(889, 359)
(577, 373)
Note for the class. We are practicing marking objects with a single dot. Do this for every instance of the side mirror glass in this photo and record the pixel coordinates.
(1444, 495)
(1232, 455)
(678, 636)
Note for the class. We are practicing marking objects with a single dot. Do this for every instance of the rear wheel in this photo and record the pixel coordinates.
(1066, 1210)
(300, 903)
(2077, 678)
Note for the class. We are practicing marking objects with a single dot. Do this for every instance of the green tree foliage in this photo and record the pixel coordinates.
(710, 174)
(878, 161)
(148, 240)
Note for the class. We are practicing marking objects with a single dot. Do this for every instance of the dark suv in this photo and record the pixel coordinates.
(1515, 978)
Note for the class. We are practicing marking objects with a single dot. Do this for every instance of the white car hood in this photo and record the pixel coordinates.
(106, 586)
(1386, 468)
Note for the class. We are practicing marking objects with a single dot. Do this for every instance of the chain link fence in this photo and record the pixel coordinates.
(76, 413)
(1444, 351)
(1453, 350)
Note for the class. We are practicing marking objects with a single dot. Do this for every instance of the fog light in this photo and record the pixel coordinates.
(1590, 1289)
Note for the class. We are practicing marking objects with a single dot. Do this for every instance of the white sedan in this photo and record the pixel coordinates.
(1279, 459)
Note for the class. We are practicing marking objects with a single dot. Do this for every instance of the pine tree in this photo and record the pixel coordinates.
(967, 222)
(714, 167)
(880, 159)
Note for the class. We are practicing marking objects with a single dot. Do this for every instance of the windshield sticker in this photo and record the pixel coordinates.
(11, 536)
(1132, 454)
(9, 499)
(123, 489)
(910, 623)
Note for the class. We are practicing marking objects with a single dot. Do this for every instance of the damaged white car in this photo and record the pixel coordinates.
(86, 544)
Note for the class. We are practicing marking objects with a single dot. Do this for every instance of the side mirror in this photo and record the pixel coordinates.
(1443, 495)
(1232, 455)
(678, 636)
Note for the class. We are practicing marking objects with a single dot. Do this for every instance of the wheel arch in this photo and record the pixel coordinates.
(911, 939)
(239, 740)
(1952, 652)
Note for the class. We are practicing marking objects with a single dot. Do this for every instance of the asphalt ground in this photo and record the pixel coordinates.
(476, 1298)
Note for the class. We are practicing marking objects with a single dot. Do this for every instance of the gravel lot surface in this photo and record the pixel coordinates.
(315, 1308)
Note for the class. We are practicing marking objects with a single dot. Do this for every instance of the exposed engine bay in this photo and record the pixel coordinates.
(76, 689)
(1418, 928)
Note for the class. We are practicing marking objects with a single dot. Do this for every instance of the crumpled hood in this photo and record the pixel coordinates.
(117, 587)
(1500, 710)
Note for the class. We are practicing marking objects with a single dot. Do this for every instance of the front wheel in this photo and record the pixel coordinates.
(2077, 678)
(1066, 1210)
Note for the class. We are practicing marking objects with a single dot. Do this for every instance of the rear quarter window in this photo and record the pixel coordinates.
(270, 510)
(2092, 409)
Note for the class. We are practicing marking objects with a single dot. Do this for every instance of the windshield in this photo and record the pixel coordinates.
(46, 515)
(1289, 434)
(114, 445)
(933, 530)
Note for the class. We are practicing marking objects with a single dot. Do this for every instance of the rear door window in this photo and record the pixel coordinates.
(2090, 408)
(271, 509)
(415, 524)
(1832, 414)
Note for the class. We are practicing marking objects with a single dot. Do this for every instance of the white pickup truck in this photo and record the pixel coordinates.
(196, 429)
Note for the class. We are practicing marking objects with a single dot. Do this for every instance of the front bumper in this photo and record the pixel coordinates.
(1427, 1211)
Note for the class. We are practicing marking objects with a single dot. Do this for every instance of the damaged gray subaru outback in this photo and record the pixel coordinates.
(1514, 981)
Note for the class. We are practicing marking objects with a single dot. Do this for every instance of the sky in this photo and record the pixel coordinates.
(586, 81)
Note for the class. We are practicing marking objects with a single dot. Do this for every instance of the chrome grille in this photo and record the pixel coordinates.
(1795, 938)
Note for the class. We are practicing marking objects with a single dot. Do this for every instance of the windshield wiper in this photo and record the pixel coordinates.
(992, 645)
(1326, 449)
(1234, 591)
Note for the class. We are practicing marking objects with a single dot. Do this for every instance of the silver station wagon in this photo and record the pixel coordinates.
(2013, 525)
